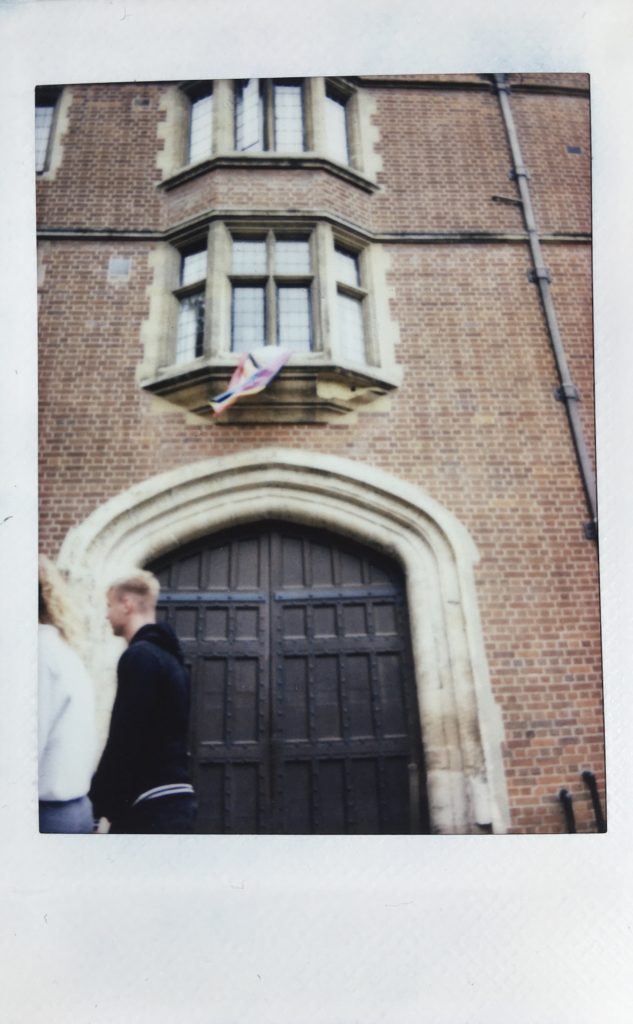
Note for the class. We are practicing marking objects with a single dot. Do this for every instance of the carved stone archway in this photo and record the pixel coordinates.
(461, 723)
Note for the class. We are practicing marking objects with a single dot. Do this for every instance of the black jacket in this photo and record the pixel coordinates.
(147, 742)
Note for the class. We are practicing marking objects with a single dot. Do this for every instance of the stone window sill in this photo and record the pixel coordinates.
(304, 392)
(305, 161)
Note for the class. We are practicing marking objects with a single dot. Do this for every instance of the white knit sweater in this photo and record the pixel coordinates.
(66, 720)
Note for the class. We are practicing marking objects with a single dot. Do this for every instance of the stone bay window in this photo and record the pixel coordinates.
(230, 280)
(306, 122)
(311, 289)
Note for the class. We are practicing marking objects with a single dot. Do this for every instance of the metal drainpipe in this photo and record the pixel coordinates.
(567, 392)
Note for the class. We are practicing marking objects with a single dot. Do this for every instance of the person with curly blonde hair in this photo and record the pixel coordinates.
(66, 715)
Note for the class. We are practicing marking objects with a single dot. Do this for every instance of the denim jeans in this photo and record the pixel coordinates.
(66, 815)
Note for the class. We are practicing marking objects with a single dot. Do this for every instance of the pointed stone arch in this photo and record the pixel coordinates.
(460, 720)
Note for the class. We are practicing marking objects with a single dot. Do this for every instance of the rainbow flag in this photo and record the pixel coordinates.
(253, 373)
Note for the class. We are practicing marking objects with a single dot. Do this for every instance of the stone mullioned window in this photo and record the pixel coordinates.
(310, 287)
(267, 122)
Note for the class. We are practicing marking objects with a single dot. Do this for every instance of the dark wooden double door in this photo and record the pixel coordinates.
(304, 709)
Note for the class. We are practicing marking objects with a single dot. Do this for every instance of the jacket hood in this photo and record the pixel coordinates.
(161, 634)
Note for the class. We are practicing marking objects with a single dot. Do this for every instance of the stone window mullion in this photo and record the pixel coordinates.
(268, 143)
(372, 355)
(223, 131)
(325, 274)
(271, 291)
(218, 291)
(311, 115)
(315, 114)
(317, 305)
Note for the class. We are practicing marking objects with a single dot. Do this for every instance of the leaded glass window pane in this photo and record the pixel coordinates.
(43, 125)
(347, 271)
(249, 256)
(190, 333)
(201, 128)
(194, 267)
(336, 129)
(292, 257)
(249, 117)
(350, 327)
(249, 313)
(288, 107)
(294, 322)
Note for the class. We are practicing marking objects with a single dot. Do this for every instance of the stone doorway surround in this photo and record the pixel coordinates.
(461, 722)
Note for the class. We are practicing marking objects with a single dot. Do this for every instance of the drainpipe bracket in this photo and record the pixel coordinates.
(539, 274)
(518, 172)
(506, 199)
(590, 530)
(566, 393)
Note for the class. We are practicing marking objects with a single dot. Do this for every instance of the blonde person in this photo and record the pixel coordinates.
(66, 716)
(142, 784)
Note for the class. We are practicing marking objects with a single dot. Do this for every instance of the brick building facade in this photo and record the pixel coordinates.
(414, 442)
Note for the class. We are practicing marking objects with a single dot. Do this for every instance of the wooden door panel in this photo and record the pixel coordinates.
(231, 797)
(243, 701)
(209, 782)
(389, 673)
(298, 816)
(328, 710)
(210, 686)
(247, 565)
(356, 680)
(365, 797)
(185, 622)
(243, 803)
(322, 565)
(295, 701)
(292, 566)
(215, 623)
(324, 622)
(217, 574)
(396, 803)
(295, 622)
(304, 713)
(331, 818)
(185, 574)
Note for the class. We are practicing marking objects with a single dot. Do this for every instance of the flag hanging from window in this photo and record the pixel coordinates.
(253, 373)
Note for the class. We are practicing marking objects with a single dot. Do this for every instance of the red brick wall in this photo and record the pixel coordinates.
(108, 171)
(475, 422)
(560, 181)
(444, 156)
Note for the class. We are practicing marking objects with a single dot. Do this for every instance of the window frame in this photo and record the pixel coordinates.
(189, 290)
(271, 282)
(267, 115)
(316, 153)
(196, 94)
(335, 93)
(358, 293)
(46, 97)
